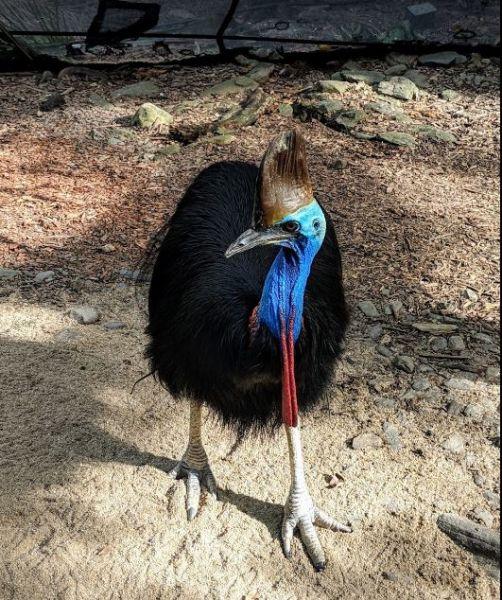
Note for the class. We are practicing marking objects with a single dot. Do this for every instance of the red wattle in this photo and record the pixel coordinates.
(289, 398)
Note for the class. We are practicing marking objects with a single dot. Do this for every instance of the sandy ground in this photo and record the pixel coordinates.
(86, 508)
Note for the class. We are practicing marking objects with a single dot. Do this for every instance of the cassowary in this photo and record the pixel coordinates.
(250, 324)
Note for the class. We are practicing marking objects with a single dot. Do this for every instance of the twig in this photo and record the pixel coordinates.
(470, 535)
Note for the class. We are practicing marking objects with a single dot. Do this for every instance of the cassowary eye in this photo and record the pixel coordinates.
(316, 224)
(291, 227)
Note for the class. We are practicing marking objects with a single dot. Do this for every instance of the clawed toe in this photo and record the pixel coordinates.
(195, 480)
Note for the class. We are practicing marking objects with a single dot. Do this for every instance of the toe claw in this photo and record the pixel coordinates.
(191, 514)
(320, 567)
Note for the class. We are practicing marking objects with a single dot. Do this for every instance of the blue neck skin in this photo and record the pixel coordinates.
(284, 289)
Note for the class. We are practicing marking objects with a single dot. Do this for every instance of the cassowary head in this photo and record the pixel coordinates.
(286, 211)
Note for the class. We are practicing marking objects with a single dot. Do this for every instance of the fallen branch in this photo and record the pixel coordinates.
(474, 537)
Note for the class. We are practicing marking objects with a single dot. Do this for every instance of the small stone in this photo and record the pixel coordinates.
(492, 375)
(286, 110)
(369, 77)
(442, 59)
(375, 332)
(384, 351)
(8, 274)
(435, 134)
(366, 441)
(148, 115)
(479, 479)
(348, 119)
(493, 499)
(396, 307)
(386, 339)
(386, 109)
(392, 436)
(454, 444)
(396, 70)
(114, 325)
(45, 77)
(474, 412)
(471, 295)
(364, 135)
(390, 576)
(322, 110)
(261, 72)
(108, 248)
(339, 164)
(388, 403)
(421, 384)
(482, 516)
(419, 79)
(169, 150)
(142, 89)
(463, 385)
(397, 138)
(405, 363)
(100, 101)
(332, 86)
(456, 408)
(68, 335)
(245, 61)
(399, 87)
(52, 102)
(435, 328)
(457, 343)
(368, 308)
(222, 140)
(439, 344)
(85, 315)
(449, 95)
(483, 338)
(45, 277)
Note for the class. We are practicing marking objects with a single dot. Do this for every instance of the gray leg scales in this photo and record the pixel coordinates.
(300, 512)
(194, 466)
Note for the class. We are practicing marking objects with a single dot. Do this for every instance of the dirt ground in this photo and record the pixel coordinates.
(86, 508)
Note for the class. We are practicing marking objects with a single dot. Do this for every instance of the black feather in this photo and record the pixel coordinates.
(200, 305)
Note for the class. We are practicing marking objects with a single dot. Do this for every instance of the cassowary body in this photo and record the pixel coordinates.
(249, 328)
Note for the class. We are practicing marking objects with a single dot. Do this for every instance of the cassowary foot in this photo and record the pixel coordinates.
(195, 480)
(301, 513)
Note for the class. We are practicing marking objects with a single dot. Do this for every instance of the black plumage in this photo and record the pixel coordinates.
(200, 306)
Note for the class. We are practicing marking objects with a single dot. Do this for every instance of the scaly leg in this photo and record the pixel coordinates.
(194, 466)
(300, 510)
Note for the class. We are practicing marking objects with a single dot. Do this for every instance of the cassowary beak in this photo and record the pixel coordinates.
(253, 238)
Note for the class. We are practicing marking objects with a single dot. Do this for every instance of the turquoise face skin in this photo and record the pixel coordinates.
(283, 294)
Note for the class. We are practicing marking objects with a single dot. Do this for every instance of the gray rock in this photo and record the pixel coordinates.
(148, 115)
(369, 77)
(463, 385)
(471, 295)
(56, 100)
(399, 87)
(384, 351)
(479, 479)
(332, 86)
(396, 307)
(419, 79)
(449, 95)
(68, 335)
(493, 499)
(245, 61)
(322, 110)
(475, 412)
(435, 134)
(482, 516)
(364, 135)
(456, 408)
(405, 363)
(454, 444)
(375, 332)
(368, 308)
(8, 274)
(390, 576)
(392, 436)
(350, 118)
(388, 403)
(435, 328)
(85, 315)
(386, 109)
(484, 338)
(261, 72)
(439, 344)
(492, 375)
(286, 110)
(100, 101)
(396, 70)
(457, 343)
(114, 325)
(45, 277)
(397, 138)
(366, 441)
(169, 150)
(142, 89)
(442, 59)
(116, 136)
(421, 384)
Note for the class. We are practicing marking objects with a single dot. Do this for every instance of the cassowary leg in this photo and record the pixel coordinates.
(194, 466)
(300, 510)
